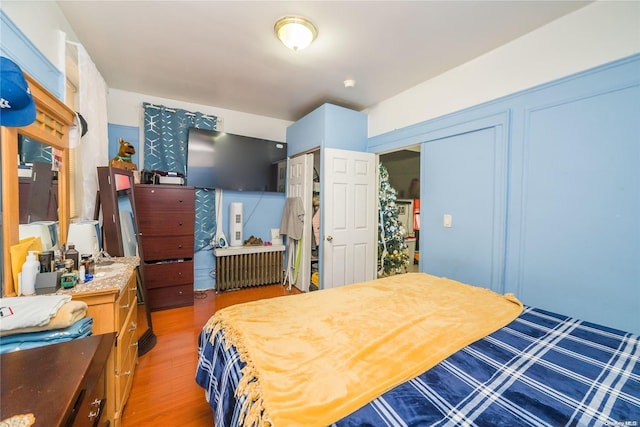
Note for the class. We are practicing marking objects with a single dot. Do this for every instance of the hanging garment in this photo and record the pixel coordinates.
(292, 225)
(292, 222)
(315, 223)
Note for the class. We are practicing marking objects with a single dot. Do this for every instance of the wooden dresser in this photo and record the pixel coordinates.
(166, 221)
(112, 300)
(59, 385)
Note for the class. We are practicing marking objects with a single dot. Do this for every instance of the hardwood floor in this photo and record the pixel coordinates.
(164, 390)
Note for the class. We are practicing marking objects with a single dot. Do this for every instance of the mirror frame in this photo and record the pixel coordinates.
(51, 127)
(113, 240)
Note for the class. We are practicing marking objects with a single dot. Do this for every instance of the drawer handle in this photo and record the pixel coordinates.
(93, 414)
(179, 200)
(127, 373)
(96, 402)
(179, 292)
(125, 306)
(133, 289)
(135, 344)
(179, 246)
(180, 224)
(133, 327)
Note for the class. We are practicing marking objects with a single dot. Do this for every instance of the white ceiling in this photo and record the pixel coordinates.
(225, 53)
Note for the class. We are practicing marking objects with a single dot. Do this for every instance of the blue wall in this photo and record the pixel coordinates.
(130, 134)
(17, 47)
(465, 173)
(544, 190)
(328, 126)
(261, 212)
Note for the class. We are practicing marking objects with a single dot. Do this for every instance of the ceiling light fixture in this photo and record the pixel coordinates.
(295, 32)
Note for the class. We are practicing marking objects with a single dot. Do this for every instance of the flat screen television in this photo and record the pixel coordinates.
(235, 162)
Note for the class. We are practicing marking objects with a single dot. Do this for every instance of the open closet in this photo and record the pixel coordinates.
(337, 187)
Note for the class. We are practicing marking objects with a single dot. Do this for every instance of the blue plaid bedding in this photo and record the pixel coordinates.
(543, 369)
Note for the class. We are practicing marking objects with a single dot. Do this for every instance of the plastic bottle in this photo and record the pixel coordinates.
(72, 254)
(89, 264)
(30, 269)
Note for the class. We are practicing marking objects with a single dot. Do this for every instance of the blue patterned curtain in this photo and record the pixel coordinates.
(165, 148)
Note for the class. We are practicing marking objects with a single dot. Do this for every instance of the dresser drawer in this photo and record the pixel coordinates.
(91, 412)
(124, 380)
(163, 274)
(166, 223)
(174, 296)
(92, 400)
(126, 356)
(161, 199)
(158, 248)
(125, 302)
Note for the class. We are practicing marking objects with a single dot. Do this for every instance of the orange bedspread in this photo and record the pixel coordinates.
(314, 358)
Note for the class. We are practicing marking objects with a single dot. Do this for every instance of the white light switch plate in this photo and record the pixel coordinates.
(447, 220)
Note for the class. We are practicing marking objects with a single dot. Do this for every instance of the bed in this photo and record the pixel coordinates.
(272, 362)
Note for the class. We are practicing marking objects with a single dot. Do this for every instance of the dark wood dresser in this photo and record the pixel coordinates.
(166, 221)
(59, 384)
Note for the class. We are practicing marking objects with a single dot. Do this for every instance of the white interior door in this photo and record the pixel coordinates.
(349, 217)
(300, 184)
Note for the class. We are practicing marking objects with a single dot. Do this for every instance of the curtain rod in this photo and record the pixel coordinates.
(171, 110)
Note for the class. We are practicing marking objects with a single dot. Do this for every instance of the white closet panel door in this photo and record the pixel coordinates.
(300, 184)
(349, 217)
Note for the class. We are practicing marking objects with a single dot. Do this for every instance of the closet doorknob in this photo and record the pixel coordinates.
(329, 238)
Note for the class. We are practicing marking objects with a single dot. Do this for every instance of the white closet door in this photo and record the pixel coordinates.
(300, 184)
(349, 208)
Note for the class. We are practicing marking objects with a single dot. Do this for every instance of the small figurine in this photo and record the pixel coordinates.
(123, 159)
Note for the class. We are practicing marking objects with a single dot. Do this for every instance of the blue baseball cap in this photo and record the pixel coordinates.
(16, 103)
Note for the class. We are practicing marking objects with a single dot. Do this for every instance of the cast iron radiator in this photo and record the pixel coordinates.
(248, 266)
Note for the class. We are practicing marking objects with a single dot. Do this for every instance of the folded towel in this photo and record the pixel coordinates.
(67, 315)
(23, 312)
(80, 329)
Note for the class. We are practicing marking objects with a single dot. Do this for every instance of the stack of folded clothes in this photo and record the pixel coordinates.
(29, 322)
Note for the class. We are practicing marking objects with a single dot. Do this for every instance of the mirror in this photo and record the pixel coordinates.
(50, 128)
(116, 199)
(38, 192)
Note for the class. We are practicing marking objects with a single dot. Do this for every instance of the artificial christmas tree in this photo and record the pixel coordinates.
(393, 253)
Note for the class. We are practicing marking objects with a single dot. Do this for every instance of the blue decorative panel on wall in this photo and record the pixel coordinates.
(568, 238)
(581, 234)
(464, 177)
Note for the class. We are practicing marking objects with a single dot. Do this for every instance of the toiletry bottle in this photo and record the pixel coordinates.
(30, 269)
(72, 254)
